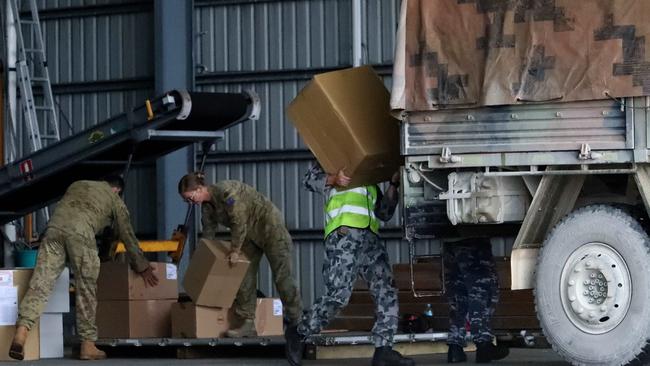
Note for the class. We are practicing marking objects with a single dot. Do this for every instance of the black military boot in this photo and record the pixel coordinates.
(294, 346)
(386, 356)
(455, 354)
(487, 352)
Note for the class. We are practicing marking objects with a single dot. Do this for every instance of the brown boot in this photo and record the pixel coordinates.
(90, 352)
(247, 329)
(17, 349)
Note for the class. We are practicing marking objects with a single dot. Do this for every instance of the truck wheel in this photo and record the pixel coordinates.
(592, 290)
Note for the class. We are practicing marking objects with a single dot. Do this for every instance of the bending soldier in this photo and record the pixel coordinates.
(257, 228)
(352, 248)
(85, 210)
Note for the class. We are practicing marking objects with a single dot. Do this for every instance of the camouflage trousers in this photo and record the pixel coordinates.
(472, 289)
(277, 248)
(350, 252)
(84, 262)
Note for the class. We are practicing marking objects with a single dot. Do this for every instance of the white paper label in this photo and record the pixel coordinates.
(6, 278)
(277, 307)
(171, 271)
(8, 305)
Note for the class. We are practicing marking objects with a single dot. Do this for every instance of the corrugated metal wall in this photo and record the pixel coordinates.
(100, 59)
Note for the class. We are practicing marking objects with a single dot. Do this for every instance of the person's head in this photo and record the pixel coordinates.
(193, 189)
(116, 182)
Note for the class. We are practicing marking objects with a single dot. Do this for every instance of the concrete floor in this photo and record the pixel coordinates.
(529, 357)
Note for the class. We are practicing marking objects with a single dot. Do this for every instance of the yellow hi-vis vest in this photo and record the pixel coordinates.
(353, 207)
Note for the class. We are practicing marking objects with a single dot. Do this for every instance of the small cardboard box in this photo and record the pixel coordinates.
(268, 317)
(210, 280)
(51, 337)
(194, 321)
(13, 285)
(59, 301)
(134, 318)
(117, 281)
(344, 118)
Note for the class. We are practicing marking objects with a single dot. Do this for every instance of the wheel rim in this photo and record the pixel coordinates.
(595, 288)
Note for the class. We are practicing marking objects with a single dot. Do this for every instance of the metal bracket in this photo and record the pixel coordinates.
(446, 156)
(587, 154)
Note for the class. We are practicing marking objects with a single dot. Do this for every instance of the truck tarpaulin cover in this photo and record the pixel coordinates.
(466, 53)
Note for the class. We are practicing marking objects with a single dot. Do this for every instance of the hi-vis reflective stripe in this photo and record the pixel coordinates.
(360, 190)
(350, 209)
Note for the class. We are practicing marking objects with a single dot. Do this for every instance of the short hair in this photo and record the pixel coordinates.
(115, 181)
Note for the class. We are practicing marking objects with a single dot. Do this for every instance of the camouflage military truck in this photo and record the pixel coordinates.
(530, 118)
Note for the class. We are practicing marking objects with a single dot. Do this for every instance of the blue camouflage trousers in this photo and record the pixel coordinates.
(350, 252)
(472, 289)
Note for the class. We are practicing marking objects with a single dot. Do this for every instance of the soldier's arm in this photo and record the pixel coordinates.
(209, 230)
(315, 179)
(386, 203)
(125, 232)
(238, 215)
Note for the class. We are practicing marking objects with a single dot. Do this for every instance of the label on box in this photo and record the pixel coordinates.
(171, 271)
(277, 307)
(8, 305)
(6, 278)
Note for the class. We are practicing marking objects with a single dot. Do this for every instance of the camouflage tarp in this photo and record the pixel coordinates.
(465, 53)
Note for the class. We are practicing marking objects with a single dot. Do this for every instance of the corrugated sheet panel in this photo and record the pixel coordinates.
(268, 35)
(380, 20)
(272, 131)
(105, 47)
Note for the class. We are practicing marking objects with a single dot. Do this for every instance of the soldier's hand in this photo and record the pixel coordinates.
(342, 180)
(233, 257)
(150, 279)
(395, 178)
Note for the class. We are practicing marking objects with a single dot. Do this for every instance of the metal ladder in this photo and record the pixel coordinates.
(32, 73)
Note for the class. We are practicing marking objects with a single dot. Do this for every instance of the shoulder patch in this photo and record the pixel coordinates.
(230, 201)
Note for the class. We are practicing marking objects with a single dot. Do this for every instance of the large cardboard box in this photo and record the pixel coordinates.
(51, 337)
(13, 285)
(268, 317)
(117, 281)
(134, 318)
(194, 321)
(210, 279)
(344, 118)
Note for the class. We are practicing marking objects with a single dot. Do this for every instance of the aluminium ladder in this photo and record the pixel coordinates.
(32, 73)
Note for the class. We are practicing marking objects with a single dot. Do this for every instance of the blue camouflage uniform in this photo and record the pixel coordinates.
(472, 289)
(352, 251)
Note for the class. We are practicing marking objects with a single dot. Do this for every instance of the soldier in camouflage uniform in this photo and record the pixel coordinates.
(352, 248)
(472, 290)
(85, 210)
(256, 228)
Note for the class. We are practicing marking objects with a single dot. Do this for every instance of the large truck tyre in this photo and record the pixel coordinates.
(592, 290)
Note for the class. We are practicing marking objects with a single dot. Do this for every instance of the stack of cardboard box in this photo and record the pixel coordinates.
(127, 308)
(46, 337)
(212, 283)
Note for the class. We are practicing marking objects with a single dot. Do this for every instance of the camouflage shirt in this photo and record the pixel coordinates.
(315, 181)
(239, 207)
(88, 207)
